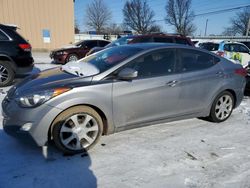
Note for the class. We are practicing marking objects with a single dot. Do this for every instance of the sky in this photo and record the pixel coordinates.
(216, 23)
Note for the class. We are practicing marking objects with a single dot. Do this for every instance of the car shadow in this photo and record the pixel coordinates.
(26, 165)
(247, 94)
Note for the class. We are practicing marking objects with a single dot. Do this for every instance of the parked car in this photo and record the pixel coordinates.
(235, 51)
(75, 51)
(121, 88)
(161, 38)
(247, 89)
(247, 44)
(121, 41)
(210, 46)
(15, 55)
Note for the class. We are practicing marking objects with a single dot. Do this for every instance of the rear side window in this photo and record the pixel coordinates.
(163, 39)
(181, 41)
(3, 37)
(142, 40)
(192, 60)
(243, 49)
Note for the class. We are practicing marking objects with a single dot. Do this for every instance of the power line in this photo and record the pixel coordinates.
(215, 12)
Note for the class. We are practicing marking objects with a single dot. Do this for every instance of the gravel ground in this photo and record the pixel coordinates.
(189, 153)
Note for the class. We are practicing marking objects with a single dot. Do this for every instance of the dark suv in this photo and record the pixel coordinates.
(75, 51)
(158, 37)
(15, 55)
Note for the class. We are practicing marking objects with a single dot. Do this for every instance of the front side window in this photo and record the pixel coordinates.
(192, 60)
(90, 44)
(103, 43)
(157, 63)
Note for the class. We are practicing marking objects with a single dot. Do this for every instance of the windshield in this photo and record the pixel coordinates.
(120, 41)
(78, 43)
(110, 57)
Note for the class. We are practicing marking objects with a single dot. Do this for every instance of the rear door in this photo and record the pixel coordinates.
(153, 95)
(202, 76)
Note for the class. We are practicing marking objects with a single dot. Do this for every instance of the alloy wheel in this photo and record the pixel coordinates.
(79, 131)
(72, 58)
(224, 107)
(4, 74)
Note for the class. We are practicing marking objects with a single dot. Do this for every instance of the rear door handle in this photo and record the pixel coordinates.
(172, 83)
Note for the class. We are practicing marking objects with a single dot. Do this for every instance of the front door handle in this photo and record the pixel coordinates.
(172, 83)
(220, 74)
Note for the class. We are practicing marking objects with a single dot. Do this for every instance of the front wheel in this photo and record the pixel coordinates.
(222, 107)
(77, 129)
(71, 57)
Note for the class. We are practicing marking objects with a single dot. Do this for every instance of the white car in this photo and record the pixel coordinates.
(235, 51)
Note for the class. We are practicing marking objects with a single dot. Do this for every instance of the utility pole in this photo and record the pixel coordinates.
(248, 27)
(206, 28)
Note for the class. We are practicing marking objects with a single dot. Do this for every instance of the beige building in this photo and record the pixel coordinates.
(46, 24)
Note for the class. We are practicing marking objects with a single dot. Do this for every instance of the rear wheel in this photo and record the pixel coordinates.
(6, 74)
(222, 107)
(77, 129)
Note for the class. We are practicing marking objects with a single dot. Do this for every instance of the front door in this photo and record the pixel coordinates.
(153, 95)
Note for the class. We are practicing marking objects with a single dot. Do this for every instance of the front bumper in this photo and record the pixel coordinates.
(40, 119)
(59, 58)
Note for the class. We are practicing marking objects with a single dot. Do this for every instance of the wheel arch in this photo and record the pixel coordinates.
(234, 95)
(4, 57)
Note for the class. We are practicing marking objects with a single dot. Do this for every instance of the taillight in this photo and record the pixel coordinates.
(241, 72)
(25, 47)
(220, 53)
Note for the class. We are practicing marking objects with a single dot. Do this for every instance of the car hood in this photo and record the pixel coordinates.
(52, 78)
(69, 47)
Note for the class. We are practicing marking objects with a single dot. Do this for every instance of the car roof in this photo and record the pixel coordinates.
(152, 45)
(161, 35)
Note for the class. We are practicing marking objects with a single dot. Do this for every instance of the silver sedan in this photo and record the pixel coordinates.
(121, 88)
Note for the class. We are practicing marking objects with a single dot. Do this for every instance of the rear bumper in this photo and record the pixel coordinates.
(24, 71)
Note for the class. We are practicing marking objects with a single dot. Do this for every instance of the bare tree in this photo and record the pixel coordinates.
(238, 23)
(113, 29)
(138, 15)
(155, 28)
(97, 15)
(181, 16)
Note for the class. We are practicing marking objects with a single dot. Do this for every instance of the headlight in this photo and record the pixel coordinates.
(60, 53)
(38, 98)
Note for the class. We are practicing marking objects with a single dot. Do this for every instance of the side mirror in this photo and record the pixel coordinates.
(127, 74)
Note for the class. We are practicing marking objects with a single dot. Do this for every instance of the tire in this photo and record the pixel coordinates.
(71, 57)
(7, 74)
(222, 107)
(70, 131)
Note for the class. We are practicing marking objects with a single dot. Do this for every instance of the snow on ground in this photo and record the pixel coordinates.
(189, 153)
